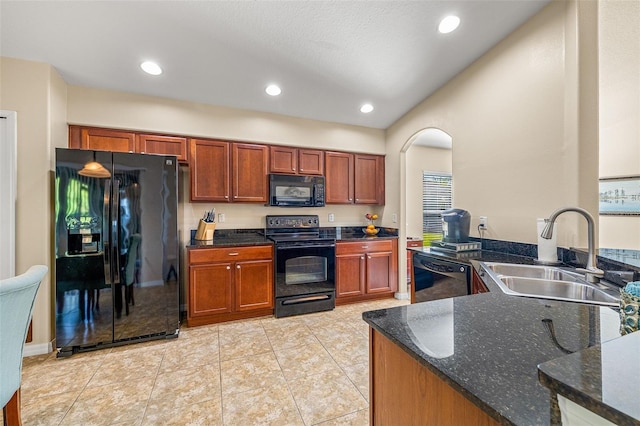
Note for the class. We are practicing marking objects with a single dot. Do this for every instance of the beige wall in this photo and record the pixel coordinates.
(38, 94)
(419, 159)
(619, 30)
(515, 119)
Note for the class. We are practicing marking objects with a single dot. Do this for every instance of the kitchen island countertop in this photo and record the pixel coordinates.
(488, 346)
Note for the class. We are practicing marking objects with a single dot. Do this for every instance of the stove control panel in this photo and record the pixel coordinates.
(298, 221)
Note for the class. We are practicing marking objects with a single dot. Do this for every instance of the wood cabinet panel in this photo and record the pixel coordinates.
(289, 160)
(229, 254)
(164, 145)
(354, 178)
(369, 179)
(404, 392)
(339, 177)
(477, 284)
(210, 289)
(209, 170)
(350, 275)
(249, 173)
(98, 139)
(379, 272)
(311, 162)
(254, 285)
(366, 269)
(283, 160)
(229, 283)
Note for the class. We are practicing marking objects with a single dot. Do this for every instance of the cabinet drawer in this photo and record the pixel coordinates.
(364, 246)
(229, 254)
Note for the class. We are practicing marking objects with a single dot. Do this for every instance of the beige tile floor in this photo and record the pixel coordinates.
(304, 370)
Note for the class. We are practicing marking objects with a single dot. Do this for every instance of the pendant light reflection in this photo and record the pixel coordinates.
(94, 169)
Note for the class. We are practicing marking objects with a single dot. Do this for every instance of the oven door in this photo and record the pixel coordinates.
(304, 268)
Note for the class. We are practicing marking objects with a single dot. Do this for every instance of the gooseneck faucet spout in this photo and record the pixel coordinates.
(592, 273)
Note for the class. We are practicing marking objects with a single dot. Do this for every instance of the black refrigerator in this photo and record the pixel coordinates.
(116, 249)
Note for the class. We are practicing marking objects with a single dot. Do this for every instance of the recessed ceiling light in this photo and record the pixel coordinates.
(273, 90)
(449, 24)
(151, 68)
(366, 108)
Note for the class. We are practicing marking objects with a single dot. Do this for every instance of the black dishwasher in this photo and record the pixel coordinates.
(439, 279)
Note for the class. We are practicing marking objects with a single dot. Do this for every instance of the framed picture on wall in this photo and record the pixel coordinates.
(620, 195)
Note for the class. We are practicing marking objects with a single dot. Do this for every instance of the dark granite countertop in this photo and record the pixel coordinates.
(603, 379)
(231, 238)
(488, 346)
(250, 237)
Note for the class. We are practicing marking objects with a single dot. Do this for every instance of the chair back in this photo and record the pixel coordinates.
(17, 296)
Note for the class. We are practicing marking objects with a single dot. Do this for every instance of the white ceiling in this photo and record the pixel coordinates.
(329, 57)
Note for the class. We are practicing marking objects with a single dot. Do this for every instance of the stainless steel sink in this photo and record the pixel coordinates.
(548, 282)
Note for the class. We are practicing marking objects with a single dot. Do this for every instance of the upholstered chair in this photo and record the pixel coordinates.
(17, 296)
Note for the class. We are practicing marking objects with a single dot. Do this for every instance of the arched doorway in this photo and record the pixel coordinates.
(430, 149)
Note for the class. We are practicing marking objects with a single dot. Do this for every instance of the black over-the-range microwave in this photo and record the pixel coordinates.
(296, 191)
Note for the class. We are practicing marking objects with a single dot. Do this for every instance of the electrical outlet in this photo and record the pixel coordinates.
(483, 223)
(220, 217)
(394, 218)
(332, 217)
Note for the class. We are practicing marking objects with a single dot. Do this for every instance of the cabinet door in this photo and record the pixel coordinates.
(164, 145)
(310, 162)
(250, 169)
(209, 170)
(338, 178)
(350, 275)
(106, 140)
(369, 179)
(380, 272)
(283, 160)
(477, 285)
(254, 285)
(210, 289)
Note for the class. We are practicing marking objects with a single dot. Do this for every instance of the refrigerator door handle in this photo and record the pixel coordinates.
(106, 230)
(115, 224)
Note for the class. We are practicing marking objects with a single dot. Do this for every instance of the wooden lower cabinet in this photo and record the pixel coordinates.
(229, 283)
(366, 269)
(402, 391)
(477, 284)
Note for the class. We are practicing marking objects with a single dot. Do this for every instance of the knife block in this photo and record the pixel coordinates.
(205, 231)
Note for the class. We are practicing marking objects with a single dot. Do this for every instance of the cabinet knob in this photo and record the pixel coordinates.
(293, 168)
(368, 257)
(362, 257)
(235, 196)
(365, 247)
(350, 199)
(226, 196)
(301, 169)
(228, 267)
(237, 266)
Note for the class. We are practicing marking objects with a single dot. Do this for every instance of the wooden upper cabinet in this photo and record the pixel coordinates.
(209, 170)
(250, 166)
(296, 161)
(165, 145)
(339, 177)
(369, 179)
(283, 160)
(310, 162)
(101, 139)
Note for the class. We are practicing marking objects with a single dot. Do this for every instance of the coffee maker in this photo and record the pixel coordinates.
(455, 226)
(455, 231)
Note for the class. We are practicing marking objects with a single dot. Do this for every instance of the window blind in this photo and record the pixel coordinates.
(436, 197)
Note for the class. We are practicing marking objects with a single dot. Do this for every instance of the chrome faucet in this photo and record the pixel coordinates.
(591, 271)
